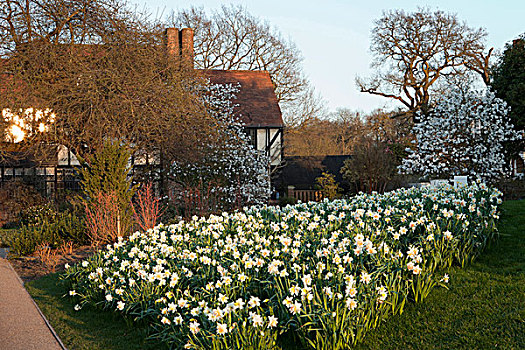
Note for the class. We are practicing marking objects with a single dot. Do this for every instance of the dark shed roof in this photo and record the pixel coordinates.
(301, 171)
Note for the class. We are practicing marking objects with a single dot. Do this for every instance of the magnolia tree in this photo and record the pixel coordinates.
(231, 172)
(462, 135)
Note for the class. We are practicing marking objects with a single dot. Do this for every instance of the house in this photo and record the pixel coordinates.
(255, 103)
(258, 108)
(517, 165)
(51, 172)
(301, 172)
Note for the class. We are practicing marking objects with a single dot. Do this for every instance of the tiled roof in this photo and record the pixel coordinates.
(256, 99)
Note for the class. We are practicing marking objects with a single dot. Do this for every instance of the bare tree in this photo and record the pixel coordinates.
(344, 131)
(103, 70)
(371, 167)
(313, 137)
(319, 135)
(63, 21)
(232, 38)
(307, 106)
(415, 52)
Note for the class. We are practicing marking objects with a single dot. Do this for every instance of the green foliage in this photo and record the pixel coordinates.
(37, 215)
(328, 186)
(284, 201)
(29, 237)
(483, 307)
(71, 227)
(332, 290)
(5, 236)
(107, 171)
(508, 80)
(43, 224)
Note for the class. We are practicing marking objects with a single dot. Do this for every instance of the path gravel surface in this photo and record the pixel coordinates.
(22, 327)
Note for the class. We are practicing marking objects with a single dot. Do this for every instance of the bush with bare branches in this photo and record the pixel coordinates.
(102, 69)
(146, 209)
(103, 219)
(47, 256)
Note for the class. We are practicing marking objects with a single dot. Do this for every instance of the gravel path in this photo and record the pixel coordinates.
(21, 324)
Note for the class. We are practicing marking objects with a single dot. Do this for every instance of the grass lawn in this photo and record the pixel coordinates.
(89, 329)
(484, 307)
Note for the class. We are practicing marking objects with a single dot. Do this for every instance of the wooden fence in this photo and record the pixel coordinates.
(305, 195)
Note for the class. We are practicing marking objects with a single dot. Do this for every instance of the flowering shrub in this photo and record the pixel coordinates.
(327, 271)
(462, 135)
(232, 173)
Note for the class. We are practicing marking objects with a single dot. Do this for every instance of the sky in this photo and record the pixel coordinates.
(334, 35)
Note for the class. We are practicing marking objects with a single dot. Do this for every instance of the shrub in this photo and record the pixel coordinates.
(284, 201)
(146, 209)
(42, 224)
(47, 256)
(328, 186)
(16, 196)
(37, 215)
(30, 237)
(71, 227)
(371, 167)
(103, 219)
(105, 179)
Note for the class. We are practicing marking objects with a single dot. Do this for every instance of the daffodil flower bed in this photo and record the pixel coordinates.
(326, 271)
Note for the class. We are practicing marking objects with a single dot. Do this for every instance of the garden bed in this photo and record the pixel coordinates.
(482, 309)
(31, 267)
(325, 272)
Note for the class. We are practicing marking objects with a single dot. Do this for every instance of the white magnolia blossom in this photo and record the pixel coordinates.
(233, 166)
(462, 135)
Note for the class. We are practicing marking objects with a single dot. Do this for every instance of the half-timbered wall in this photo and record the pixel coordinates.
(268, 140)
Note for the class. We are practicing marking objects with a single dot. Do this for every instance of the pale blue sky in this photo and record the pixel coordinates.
(333, 35)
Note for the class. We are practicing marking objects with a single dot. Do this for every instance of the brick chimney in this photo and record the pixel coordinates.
(179, 43)
(186, 42)
(172, 42)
